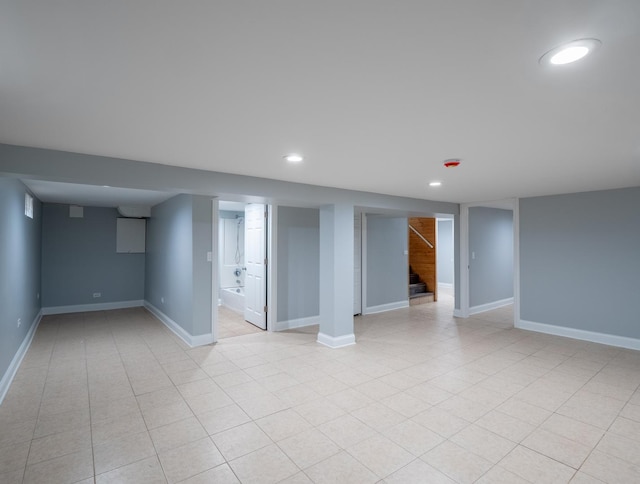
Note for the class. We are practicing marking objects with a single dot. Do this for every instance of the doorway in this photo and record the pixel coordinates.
(242, 279)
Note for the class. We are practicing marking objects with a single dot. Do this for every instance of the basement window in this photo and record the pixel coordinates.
(28, 205)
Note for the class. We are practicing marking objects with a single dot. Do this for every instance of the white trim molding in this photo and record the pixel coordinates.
(179, 331)
(481, 308)
(85, 308)
(336, 341)
(581, 334)
(10, 374)
(296, 323)
(386, 307)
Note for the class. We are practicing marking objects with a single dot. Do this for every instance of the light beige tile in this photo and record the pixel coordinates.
(298, 394)
(308, 448)
(591, 408)
(582, 478)
(121, 451)
(535, 467)
(298, 478)
(405, 404)
(524, 411)
(206, 402)
(457, 463)
(265, 466)
(418, 472)
(620, 447)
(319, 411)
(114, 408)
(109, 428)
(440, 421)
(62, 422)
(159, 398)
(56, 445)
(340, 468)
(262, 406)
(283, 424)
(190, 459)
(559, 448)
(378, 416)
(223, 419)
(146, 471)
(14, 457)
(609, 469)
(484, 443)
(499, 475)
(413, 437)
(346, 431)
(569, 428)
(349, 399)
(67, 468)
(241, 440)
(158, 416)
(505, 425)
(464, 408)
(626, 428)
(16, 432)
(177, 434)
(631, 412)
(13, 477)
(380, 455)
(429, 393)
(218, 475)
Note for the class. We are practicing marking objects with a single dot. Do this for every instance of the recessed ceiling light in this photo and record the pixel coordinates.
(294, 158)
(435, 183)
(570, 52)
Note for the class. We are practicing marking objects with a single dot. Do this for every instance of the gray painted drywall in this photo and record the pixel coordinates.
(444, 251)
(580, 261)
(387, 264)
(169, 261)
(178, 240)
(79, 258)
(20, 262)
(298, 259)
(202, 290)
(491, 242)
(61, 166)
(457, 268)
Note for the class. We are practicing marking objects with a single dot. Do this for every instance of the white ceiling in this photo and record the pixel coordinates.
(95, 196)
(375, 94)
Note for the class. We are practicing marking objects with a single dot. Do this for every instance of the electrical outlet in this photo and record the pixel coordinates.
(19, 322)
(97, 294)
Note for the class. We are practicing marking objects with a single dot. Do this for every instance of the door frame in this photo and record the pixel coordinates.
(508, 204)
(271, 272)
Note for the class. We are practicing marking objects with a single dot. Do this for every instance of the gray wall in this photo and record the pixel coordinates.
(298, 263)
(580, 261)
(79, 258)
(387, 265)
(444, 251)
(178, 239)
(491, 240)
(20, 249)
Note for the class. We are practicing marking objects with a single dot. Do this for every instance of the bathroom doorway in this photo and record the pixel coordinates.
(241, 268)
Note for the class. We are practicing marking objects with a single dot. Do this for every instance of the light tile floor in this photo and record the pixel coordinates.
(422, 397)
(231, 324)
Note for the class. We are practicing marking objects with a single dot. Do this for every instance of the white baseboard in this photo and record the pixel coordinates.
(581, 334)
(336, 341)
(445, 285)
(296, 323)
(489, 306)
(458, 313)
(179, 331)
(386, 307)
(84, 308)
(10, 374)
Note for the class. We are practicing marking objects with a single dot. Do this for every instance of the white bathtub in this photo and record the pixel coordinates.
(233, 298)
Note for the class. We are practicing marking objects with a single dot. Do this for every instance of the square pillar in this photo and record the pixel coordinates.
(336, 275)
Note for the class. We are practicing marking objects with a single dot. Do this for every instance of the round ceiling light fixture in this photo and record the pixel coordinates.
(293, 158)
(569, 52)
(451, 162)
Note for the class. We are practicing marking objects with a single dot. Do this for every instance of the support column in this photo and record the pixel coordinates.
(336, 276)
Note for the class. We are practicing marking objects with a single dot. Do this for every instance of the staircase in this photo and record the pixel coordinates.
(418, 292)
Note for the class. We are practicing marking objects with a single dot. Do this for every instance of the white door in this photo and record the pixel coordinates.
(357, 264)
(255, 289)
